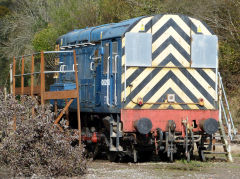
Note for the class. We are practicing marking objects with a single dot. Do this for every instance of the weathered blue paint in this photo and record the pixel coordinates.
(92, 92)
(93, 34)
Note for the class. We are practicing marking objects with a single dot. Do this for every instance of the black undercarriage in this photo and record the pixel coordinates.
(102, 136)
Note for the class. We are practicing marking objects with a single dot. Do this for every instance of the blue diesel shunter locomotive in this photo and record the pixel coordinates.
(147, 85)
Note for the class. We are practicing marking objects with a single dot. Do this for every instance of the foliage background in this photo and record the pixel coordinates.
(32, 25)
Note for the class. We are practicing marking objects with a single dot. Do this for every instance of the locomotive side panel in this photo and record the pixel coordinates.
(98, 76)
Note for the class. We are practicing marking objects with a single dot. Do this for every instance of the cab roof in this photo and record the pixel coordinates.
(93, 34)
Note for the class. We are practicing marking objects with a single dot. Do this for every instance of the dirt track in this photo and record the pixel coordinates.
(217, 168)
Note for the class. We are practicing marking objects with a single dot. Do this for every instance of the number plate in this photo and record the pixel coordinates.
(105, 82)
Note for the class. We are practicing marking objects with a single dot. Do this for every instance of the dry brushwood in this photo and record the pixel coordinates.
(36, 147)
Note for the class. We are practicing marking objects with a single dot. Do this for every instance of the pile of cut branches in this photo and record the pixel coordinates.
(36, 147)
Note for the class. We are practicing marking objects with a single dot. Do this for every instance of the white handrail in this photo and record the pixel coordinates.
(230, 124)
(125, 81)
(108, 80)
(115, 90)
(91, 66)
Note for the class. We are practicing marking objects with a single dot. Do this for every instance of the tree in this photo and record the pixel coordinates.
(35, 25)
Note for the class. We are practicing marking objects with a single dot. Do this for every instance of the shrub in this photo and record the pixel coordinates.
(45, 39)
(36, 147)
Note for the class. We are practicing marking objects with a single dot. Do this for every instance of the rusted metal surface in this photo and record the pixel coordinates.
(32, 76)
(32, 82)
(67, 113)
(55, 107)
(42, 79)
(60, 94)
(22, 81)
(13, 90)
(78, 101)
(47, 95)
(27, 90)
(63, 111)
(11, 78)
(22, 77)
(59, 127)
(14, 78)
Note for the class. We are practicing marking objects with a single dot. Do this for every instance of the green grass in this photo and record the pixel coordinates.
(183, 165)
(236, 155)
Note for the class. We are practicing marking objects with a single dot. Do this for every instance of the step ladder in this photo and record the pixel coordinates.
(224, 107)
(218, 139)
(225, 139)
(115, 134)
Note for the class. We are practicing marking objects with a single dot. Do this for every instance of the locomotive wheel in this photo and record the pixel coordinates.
(112, 156)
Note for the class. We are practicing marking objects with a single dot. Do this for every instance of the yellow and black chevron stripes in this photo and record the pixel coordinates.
(170, 33)
(171, 71)
(201, 28)
(158, 82)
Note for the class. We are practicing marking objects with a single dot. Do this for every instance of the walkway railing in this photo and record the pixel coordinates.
(45, 67)
(232, 131)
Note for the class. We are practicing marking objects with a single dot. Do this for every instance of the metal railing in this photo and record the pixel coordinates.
(232, 131)
(47, 64)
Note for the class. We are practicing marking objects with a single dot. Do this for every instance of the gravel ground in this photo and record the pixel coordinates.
(180, 169)
(213, 168)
